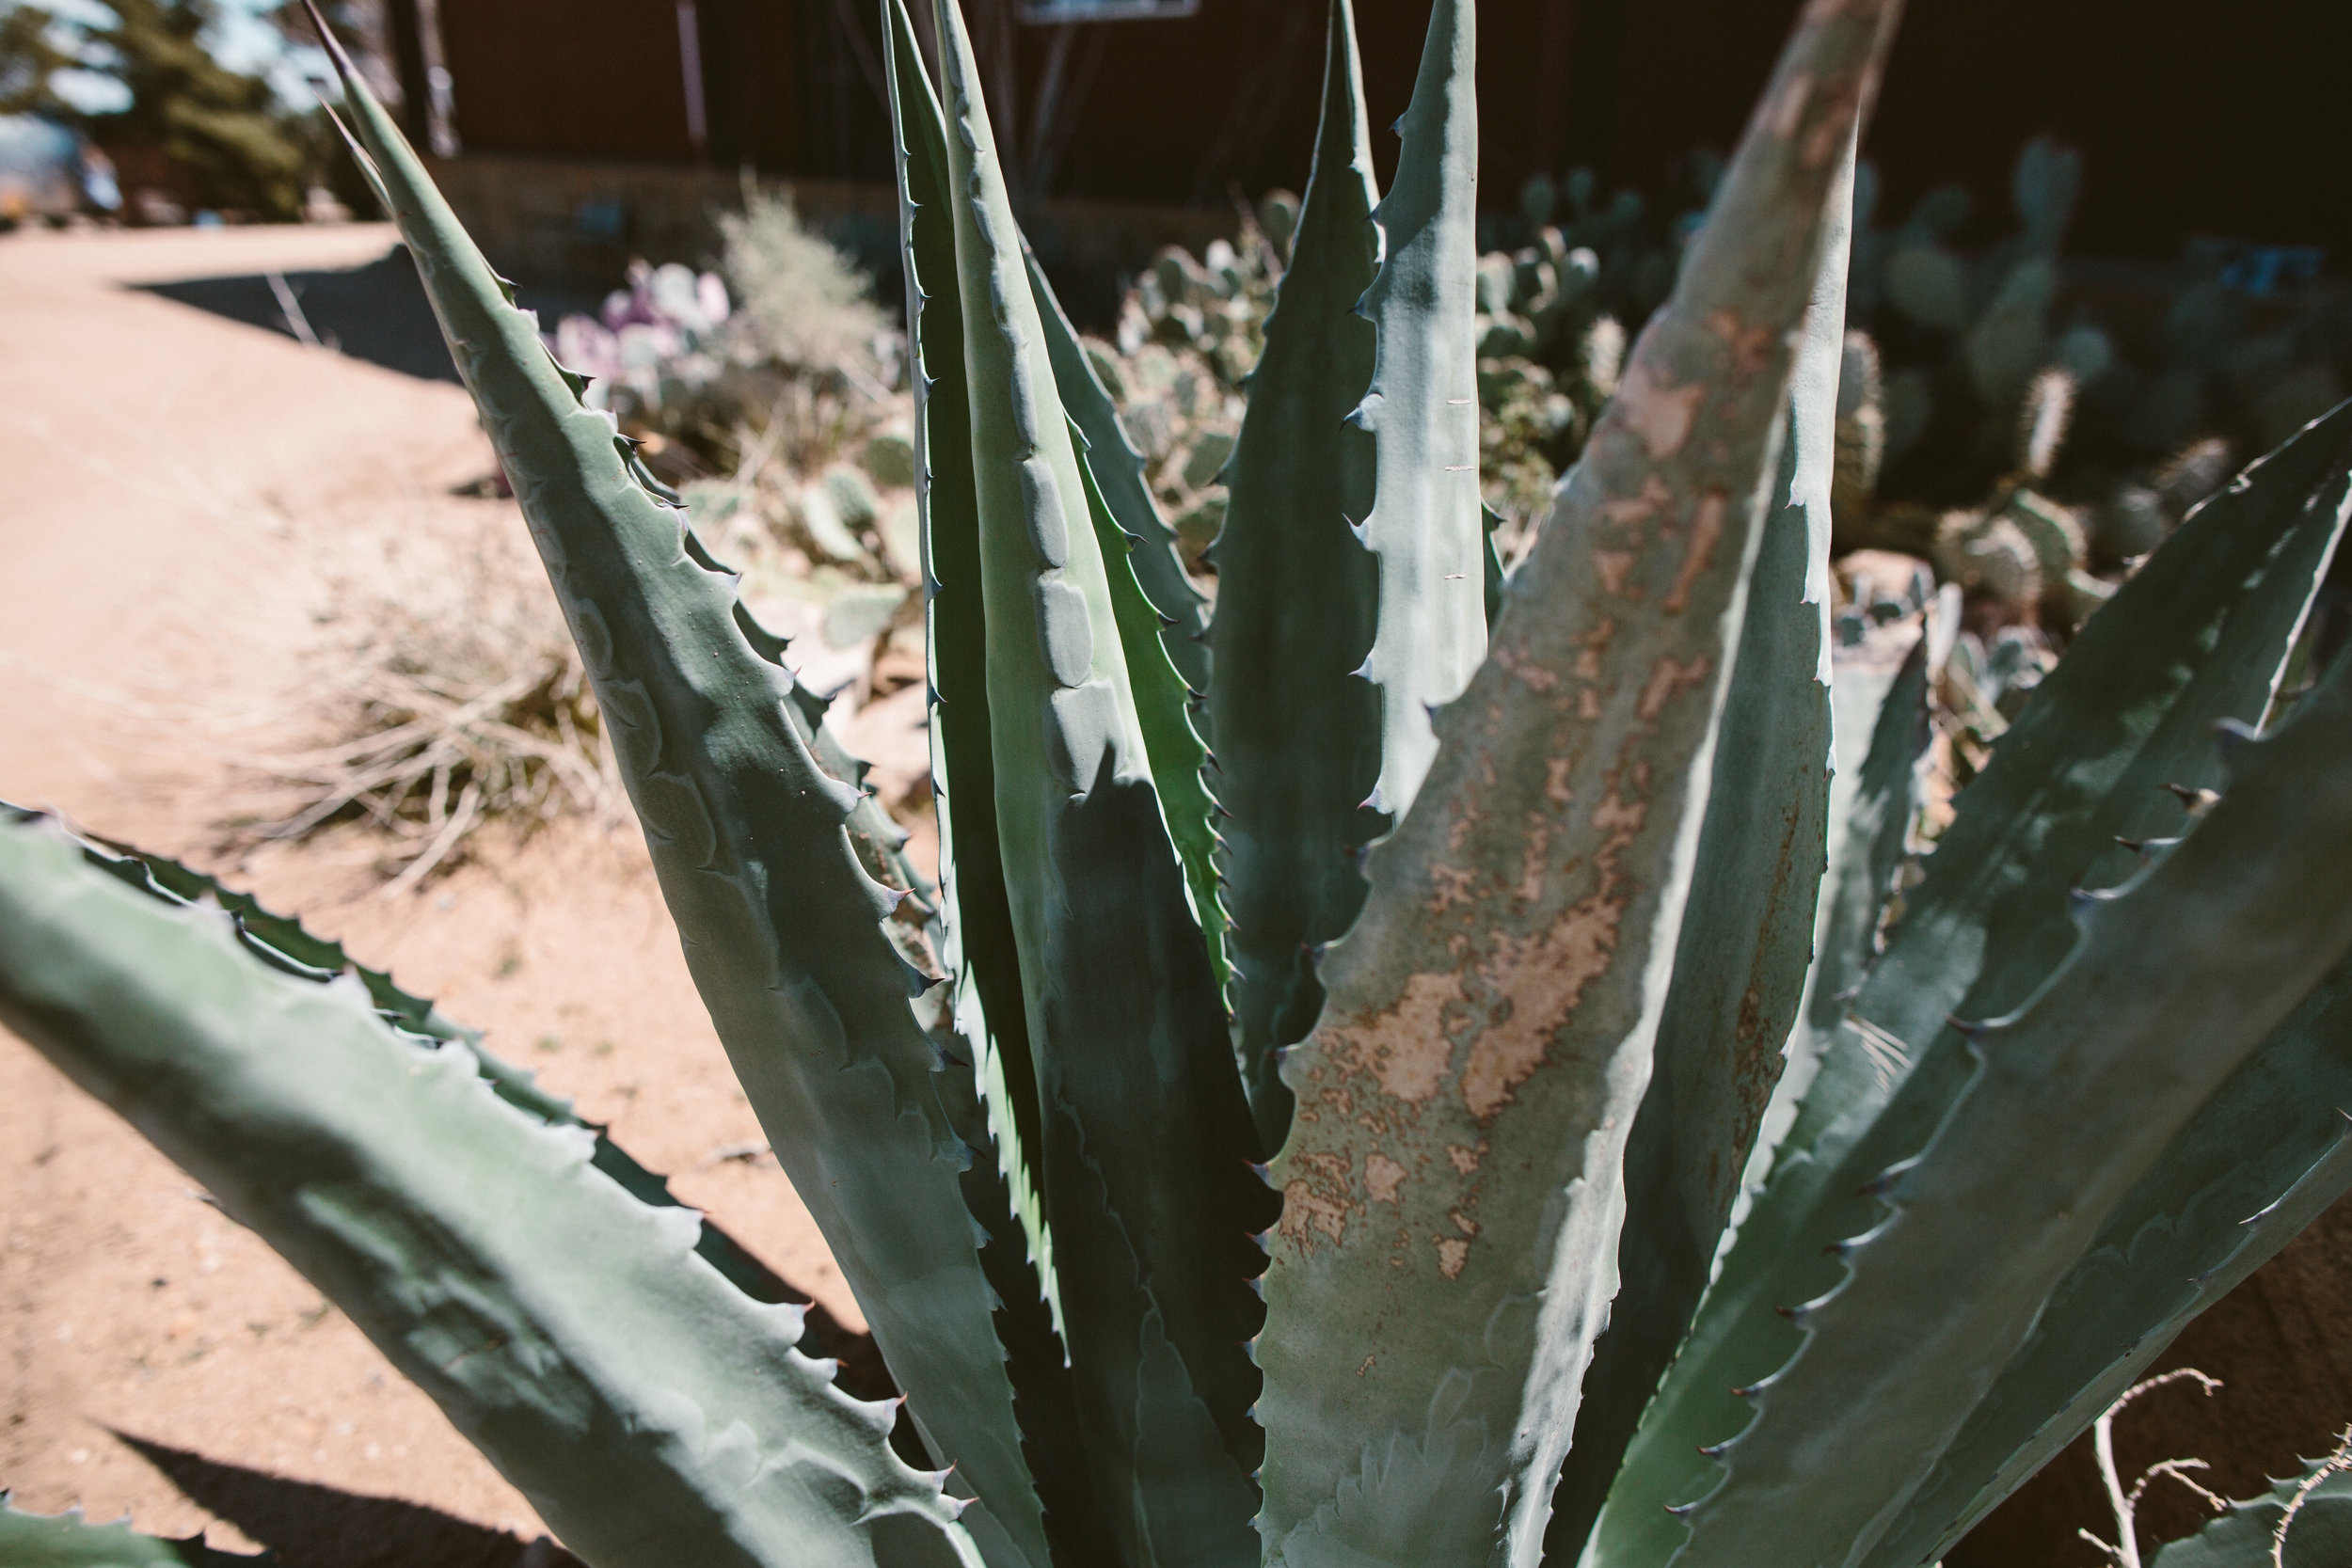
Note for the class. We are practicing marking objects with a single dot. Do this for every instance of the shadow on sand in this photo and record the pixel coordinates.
(377, 312)
(305, 1525)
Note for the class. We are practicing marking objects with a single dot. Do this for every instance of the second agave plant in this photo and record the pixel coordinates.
(1306, 1123)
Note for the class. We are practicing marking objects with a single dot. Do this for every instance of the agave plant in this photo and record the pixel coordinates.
(1333, 1161)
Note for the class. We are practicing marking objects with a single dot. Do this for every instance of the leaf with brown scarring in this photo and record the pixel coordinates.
(1517, 1010)
(1747, 935)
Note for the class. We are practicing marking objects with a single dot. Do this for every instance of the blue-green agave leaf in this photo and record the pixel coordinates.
(1165, 632)
(1297, 725)
(879, 843)
(2176, 979)
(1117, 468)
(781, 925)
(1425, 528)
(2247, 1173)
(2198, 635)
(1145, 1132)
(284, 944)
(2257, 1164)
(651, 1411)
(1045, 1391)
(1164, 712)
(1497, 574)
(1880, 717)
(1881, 723)
(1879, 700)
(1448, 1236)
(1747, 930)
(977, 944)
(68, 1541)
(2319, 1536)
(976, 933)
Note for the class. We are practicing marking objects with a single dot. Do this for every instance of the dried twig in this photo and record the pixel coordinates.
(2124, 1550)
(2337, 1463)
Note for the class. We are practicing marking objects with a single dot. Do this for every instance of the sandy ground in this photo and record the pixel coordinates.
(173, 471)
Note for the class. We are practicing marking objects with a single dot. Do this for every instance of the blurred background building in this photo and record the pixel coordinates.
(2191, 121)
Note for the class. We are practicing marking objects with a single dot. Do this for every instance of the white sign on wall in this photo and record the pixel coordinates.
(1105, 10)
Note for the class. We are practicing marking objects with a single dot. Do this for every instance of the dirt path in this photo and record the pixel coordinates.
(171, 471)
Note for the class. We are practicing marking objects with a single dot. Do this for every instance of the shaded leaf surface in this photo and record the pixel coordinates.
(1298, 724)
(2259, 1161)
(2197, 635)
(2176, 980)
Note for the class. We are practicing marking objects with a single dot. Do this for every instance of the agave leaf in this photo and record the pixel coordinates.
(2176, 979)
(68, 1541)
(995, 1105)
(2197, 635)
(1880, 720)
(1045, 1390)
(1145, 1131)
(881, 844)
(1449, 1237)
(649, 1410)
(2257, 1164)
(1164, 632)
(979, 949)
(1118, 469)
(1425, 527)
(782, 928)
(284, 944)
(1298, 727)
(1879, 697)
(2320, 1535)
(1879, 702)
(1170, 742)
(1747, 931)
(2251, 1168)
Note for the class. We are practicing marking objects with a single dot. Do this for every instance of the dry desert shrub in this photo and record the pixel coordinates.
(443, 694)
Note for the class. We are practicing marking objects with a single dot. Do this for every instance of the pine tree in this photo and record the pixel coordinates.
(29, 57)
(225, 132)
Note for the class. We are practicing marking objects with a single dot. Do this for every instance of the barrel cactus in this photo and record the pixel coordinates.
(1416, 1068)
